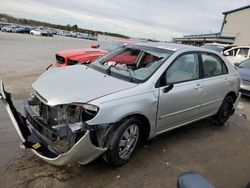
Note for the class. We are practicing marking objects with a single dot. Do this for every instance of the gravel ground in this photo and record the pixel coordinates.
(220, 153)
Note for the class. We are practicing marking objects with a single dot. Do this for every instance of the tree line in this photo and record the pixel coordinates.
(68, 27)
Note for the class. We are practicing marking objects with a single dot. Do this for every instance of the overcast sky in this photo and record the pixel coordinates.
(157, 19)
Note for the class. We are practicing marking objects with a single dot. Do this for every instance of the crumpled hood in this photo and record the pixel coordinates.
(81, 53)
(76, 84)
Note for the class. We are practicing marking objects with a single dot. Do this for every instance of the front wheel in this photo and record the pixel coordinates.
(123, 141)
(225, 111)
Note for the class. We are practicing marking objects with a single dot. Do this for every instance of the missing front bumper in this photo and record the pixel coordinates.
(83, 151)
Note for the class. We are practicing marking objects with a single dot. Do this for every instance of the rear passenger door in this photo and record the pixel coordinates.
(216, 82)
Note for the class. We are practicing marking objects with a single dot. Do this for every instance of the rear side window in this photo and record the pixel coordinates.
(185, 68)
(213, 65)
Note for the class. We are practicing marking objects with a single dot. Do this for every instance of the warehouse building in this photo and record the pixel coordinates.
(235, 30)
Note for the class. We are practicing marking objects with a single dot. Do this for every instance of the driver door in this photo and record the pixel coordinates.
(182, 103)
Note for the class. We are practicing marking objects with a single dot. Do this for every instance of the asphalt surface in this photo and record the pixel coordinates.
(220, 153)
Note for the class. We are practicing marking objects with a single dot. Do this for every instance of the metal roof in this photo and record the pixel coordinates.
(166, 46)
(235, 10)
(213, 37)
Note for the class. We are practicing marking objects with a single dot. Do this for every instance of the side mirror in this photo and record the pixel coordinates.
(168, 88)
(95, 46)
(193, 180)
(226, 53)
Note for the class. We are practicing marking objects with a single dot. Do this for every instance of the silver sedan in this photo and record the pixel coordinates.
(111, 106)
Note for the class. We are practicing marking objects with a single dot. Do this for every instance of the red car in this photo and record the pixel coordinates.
(75, 56)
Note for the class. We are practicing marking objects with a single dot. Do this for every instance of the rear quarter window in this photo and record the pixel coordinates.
(213, 65)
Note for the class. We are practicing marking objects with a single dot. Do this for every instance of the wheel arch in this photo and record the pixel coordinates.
(145, 122)
(232, 94)
(102, 138)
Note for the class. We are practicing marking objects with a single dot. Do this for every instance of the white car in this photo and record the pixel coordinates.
(237, 54)
(38, 32)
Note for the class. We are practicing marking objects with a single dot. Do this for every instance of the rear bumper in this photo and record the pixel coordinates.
(237, 100)
(83, 151)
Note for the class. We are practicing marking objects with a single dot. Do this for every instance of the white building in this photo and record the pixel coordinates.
(237, 24)
(235, 30)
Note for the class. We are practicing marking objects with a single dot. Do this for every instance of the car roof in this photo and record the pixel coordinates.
(171, 46)
(236, 47)
(216, 44)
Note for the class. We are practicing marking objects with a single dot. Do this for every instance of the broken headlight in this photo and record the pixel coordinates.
(73, 114)
(89, 111)
(80, 112)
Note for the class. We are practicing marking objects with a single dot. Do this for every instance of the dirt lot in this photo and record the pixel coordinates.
(220, 153)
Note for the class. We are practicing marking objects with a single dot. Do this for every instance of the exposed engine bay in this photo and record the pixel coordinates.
(60, 126)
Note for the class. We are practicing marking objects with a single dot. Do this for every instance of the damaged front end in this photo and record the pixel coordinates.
(59, 135)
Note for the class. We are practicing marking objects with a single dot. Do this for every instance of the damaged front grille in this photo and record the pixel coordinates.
(60, 126)
(51, 116)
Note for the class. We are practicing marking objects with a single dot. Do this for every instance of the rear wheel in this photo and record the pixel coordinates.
(225, 111)
(123, 142)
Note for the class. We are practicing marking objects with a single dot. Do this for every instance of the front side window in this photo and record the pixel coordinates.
(133, 63)
(185, 68)
(212, 65)
(243, 52)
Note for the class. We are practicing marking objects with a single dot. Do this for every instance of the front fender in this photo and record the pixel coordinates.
(113, 111)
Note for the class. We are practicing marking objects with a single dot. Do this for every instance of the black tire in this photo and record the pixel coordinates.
(225, 111)
(112, 156)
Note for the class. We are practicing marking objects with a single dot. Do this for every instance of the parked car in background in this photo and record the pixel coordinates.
(237, 54)
(220, 48)
(41, 32)
(65, 33)
(76, 56)
(92, 37)
(10, 28)
(4, 24)
(73, 34)
(23, 29)
(163, 86)
(244, 70)
(49, 32)
(87, 36)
